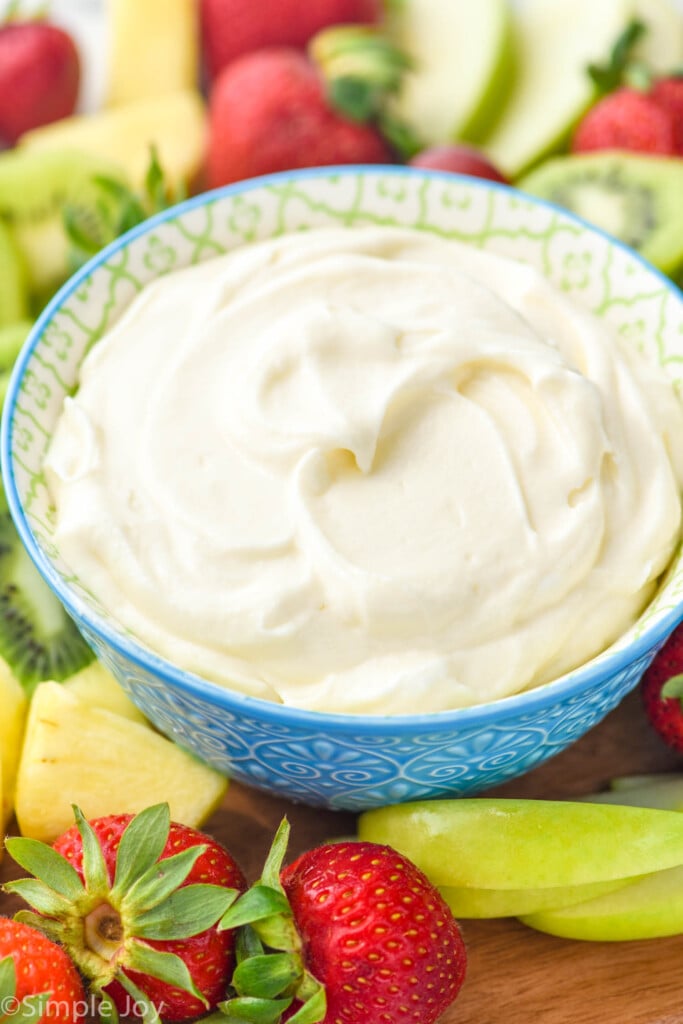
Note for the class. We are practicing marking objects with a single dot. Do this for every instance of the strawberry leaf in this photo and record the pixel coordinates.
(142, 843)
(250, 1010)
(267, 976)
(673, 687)
(159, 881)
(107, 1009)
(8, 980)
(273, 864)
(247, 943)
(312, 1011)
(46, 864)
(31, 1008)
(187, 912)
(39, 896)
(166, 967)
(94, 868)
(143, 1004)
(52, 929)
(257, 904)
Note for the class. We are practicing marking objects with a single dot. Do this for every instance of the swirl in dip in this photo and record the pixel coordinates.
(367, 470)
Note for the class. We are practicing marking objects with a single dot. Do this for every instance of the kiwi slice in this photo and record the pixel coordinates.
(35, 187)
(38, 640)
(636, 198)
(13, 284)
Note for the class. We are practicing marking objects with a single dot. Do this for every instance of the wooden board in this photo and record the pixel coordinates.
(515, 975)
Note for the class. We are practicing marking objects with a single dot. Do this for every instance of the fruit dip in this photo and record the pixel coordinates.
(367, 470)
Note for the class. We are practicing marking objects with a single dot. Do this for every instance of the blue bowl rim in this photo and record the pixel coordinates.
(525, 703)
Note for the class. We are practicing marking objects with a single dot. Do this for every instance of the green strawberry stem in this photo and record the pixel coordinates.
(363, 71)
(104, 924)
(620, 67)
(270, 974)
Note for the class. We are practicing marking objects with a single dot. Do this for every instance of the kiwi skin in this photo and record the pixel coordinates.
(636, 198)
(38, 640)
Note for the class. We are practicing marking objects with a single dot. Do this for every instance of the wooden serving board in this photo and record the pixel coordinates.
(515, 975)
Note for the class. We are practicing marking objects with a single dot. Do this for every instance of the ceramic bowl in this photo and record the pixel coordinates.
(340, 761)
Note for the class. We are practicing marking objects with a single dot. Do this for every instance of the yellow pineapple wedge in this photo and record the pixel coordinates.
(153, 48)
(75, 753)
(96, 686)
(13, 705)
(175, 123)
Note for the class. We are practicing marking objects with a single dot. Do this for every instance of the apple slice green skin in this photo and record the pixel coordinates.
(486, 903)
(663, 793)
(622, 782)
(552, 90)
(462, 54)
(488, 843)
(649, 908)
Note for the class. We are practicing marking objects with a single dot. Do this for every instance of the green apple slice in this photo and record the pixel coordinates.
(552, 90)
(483, 903)
(664, 793)
(649, 908)
(462, 55)
(491, 843)
(662, 47)
(621, 782)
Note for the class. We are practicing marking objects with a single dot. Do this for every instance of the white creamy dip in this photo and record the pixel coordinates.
(367, 470)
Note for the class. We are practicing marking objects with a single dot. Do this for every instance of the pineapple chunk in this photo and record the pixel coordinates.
(153, 48)
(95, 685)
(174, 123)
(13, 705)
(106, 764)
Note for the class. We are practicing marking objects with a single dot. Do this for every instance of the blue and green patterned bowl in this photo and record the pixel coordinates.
(340, 761)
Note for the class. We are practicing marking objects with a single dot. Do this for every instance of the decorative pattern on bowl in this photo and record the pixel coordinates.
(334, 760)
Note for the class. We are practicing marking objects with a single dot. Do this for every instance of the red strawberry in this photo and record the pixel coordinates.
(661, 690)
(135, 901)
(668, 92)
(459, 159)
(363, 938)
(39, 76)
(268, 112)
(232, 28)
(627, 119)
(32, 966)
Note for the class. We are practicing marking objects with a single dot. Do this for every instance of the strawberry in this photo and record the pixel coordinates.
(39, 76)
(357, 935)
(668, 93)
(268, 112)
(458, 159)
(661, 690)
(135, 901)
(232, 28)
(38, 981)
(628, 119)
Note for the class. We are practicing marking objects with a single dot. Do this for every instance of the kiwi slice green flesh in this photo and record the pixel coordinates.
(38, 640)
(636, 198)
(13, 284)
(35, 187)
